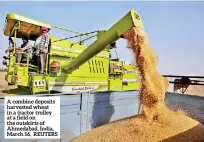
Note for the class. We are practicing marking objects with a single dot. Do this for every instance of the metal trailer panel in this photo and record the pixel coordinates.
(107, 107)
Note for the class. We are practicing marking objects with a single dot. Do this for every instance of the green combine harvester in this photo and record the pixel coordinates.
(70, 66)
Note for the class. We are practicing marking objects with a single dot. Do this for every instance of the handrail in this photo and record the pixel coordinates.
(47, 62)
(65, 29)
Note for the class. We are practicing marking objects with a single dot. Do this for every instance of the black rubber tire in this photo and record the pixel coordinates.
(9, 84)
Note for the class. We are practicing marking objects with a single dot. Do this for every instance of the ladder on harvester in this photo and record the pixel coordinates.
(39, 84)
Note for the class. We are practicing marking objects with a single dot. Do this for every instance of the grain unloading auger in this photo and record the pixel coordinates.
(131, 19)
(71, 67)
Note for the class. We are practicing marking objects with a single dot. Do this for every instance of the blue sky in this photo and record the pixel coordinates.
(175, 29)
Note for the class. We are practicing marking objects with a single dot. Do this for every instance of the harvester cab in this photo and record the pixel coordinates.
(70, 66)
(17, 27)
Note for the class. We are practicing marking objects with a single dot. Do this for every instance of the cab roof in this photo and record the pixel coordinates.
(28, 27)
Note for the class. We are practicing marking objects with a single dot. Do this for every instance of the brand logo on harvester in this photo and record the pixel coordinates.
(137, 16)
(84, 88)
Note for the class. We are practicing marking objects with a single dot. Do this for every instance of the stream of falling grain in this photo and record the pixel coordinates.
(153, 85)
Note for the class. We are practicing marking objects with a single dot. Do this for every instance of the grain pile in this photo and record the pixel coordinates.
(157, 122)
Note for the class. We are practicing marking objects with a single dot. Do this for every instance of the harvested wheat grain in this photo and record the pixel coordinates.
(157, 122)
(137, 129)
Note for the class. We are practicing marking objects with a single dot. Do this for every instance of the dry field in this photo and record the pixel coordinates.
(3, 84)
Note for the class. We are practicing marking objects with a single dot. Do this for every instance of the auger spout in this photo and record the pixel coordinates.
(131, 19)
